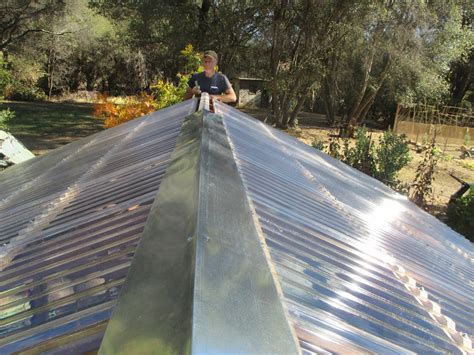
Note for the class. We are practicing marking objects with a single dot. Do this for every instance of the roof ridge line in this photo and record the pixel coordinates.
(201, 260)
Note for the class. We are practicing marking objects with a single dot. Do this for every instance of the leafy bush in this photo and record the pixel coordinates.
(164, 94)
(24, 92)
(421, 189)
(5, 116)
(382, 161)
(318, 144)
(167, 94)
(362, 156)
(5, 76)
(116, 114)
(392, 154)
(19, 78)
(461, 215)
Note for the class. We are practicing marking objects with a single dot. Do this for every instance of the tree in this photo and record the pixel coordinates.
(303, 35)
(461, 75)
(399, 48)
(19, 18)
(462, 79)
(160, 29)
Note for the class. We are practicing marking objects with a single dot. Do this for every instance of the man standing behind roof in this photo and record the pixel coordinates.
(216, 84)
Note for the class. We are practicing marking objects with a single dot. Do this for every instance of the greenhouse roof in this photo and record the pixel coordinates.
(196, 231)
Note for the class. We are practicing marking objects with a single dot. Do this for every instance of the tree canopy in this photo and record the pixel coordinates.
(352, 60)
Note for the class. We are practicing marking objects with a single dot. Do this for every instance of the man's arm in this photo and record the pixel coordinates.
(192, 89)
(227, 97)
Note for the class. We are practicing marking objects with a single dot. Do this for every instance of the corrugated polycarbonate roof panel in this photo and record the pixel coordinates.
(70, 223)
(361, 268)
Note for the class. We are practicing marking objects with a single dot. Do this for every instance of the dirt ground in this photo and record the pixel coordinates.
(313, 127)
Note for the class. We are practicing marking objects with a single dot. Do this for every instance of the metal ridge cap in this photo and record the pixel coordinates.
(200, 280)
(237, 307)
(154, 309)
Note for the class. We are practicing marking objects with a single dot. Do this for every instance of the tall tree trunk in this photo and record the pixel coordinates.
(329, 105)
(51, 65)
(296, 111)
(329, 90)
(277, 38)
(363, 88)
(203, 24)
(281, 113)
(359, 111)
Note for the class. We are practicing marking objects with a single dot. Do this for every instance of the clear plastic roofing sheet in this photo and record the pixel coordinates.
(70, 222)
(357, 267)
(361, 268)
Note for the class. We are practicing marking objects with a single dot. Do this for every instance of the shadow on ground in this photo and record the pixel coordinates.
(43, 126)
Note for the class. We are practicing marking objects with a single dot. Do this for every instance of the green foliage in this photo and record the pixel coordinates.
(421, 189)
(334, 149)
(362, 156)
(318, 144)
(5, 117)
(193, 60)
(21, 79)
(382, 161)
(392, 154)
(165, 92)
(461, 215)
(5, 76)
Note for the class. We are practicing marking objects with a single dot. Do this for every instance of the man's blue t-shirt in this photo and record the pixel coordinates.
(215, 85)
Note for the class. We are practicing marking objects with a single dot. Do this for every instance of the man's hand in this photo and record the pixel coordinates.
(191, 92)
(228, 97)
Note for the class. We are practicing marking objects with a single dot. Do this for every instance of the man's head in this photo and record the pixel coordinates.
(210, 55)
(210, 61)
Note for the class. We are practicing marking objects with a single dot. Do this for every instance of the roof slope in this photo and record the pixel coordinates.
(361, 268)
(70, 223)
(252, 239)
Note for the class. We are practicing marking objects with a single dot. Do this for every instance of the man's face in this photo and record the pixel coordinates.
(209, 63)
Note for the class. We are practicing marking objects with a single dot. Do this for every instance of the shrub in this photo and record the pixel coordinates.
(116, 114)
(164, 94)
(421, 189)
(334, 149)
(382, 161)
(362, 156)
(25, 92)
(391, 155)
(460, 215)
(5, 116)
(19, 78)
(318, 144)
(167, 94)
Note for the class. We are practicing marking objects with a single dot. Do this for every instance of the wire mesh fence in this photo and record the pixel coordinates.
(452, 125)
